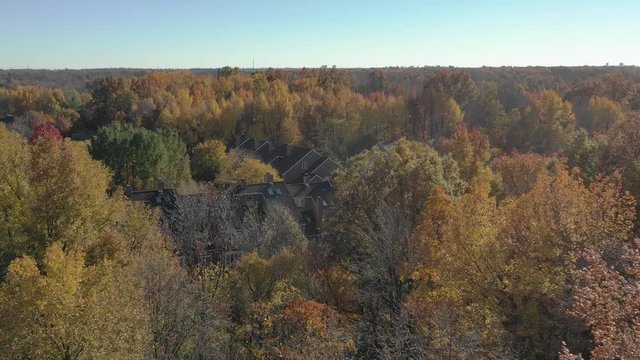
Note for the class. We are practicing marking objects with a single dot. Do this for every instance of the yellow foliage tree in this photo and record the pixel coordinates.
(51, 191)
(545, 123)
(71, 311)
(604, 113)
(236, 167)
(508, 269)
(207, 160)
(14, 189)
(273, 115)
(458, 279)
(81, 280)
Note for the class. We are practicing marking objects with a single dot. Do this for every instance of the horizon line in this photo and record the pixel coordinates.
(324, 67)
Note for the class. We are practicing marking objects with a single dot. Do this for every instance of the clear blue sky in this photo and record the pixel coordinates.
(294, 33)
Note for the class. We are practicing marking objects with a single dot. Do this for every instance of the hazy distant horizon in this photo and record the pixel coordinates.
(149, 34)
(321, 66)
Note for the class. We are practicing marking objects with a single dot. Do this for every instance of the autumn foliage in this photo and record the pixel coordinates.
(481, 214)
(46, 132)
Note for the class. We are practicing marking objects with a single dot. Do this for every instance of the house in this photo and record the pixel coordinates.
(306, 175)
(154, 198)
(293, 163)
(308, 201)
(313, 199)
(305, 189)
(262, 193)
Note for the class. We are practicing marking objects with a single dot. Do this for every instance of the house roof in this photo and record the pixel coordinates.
(296, 197)
(319, 171)
(276, 191)
(153, 198)
(312, 189)
(285, 156)
(8, 119)
(303, 195)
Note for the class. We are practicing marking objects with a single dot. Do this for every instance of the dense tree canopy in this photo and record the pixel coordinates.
(399, 175)
(69, 310)
(75, 281)
(51, 191)
(480, 213)
(207, 160)
(139, 157)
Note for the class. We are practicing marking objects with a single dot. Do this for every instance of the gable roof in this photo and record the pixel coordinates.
(153, 198)
(276, 191)
(305, 201)
(285, 157)
(311, 189)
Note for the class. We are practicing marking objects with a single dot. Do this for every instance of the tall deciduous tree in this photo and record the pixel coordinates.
(112, 100)
(400, 175)
(71, 311)
(489, 115)
(544, 124)
(546, 231)
(446, 94)
(584, 152)
(519, 172)
(621, 152)
(383, 272)
(91, 274)
(457, 85)
(187, 314)
(237, 166)
(604, 113)
(273, 115)
(445, 116)
(207, 160)
(608, 301)
(459, 275)
(378, 81)
(470, 149)
(51, 191)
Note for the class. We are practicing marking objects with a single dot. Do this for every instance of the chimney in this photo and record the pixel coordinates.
(159, 185)
(306, 178)
(243, 184)
(268, 178)
(289, 150)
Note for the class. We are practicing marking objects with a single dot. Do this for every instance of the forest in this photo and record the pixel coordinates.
(486, 213)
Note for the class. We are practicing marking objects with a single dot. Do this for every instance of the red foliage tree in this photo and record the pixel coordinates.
(519, 171)
(609, 303)
(46, 132)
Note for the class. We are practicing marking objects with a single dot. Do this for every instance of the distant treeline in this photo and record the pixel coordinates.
(408, 77)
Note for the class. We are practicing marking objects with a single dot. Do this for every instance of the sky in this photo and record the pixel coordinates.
(77, 34)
